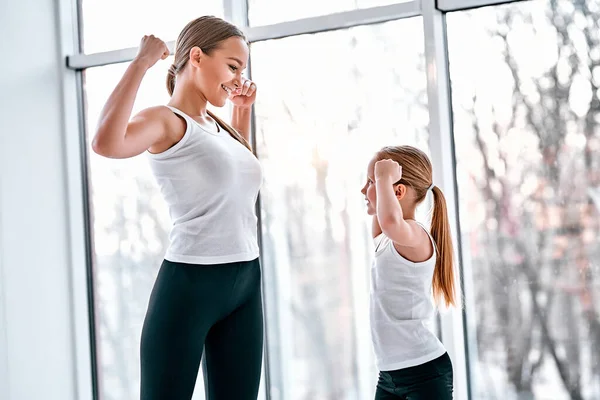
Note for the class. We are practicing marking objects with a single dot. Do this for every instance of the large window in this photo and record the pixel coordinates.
(327, 102)
(319, 120)
(525, 81)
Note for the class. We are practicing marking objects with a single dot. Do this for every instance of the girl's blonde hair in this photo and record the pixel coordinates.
(417, 173)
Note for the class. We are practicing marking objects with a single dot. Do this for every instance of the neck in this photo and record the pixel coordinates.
(408, 214)
(188, 99)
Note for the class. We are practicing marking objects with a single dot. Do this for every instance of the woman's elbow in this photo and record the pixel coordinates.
(96, 145)
(99, 147)
(102, 147)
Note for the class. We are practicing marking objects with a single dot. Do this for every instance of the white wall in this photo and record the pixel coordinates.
(37, 355)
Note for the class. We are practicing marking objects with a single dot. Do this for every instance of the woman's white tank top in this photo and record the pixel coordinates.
(210, 182)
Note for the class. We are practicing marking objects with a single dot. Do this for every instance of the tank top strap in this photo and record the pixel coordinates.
(180, 113)
(429, 235)
(380, 241)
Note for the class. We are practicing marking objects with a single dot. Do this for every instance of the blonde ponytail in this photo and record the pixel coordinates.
(443, 275)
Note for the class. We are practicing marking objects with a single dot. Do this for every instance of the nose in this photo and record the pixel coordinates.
(364, 190)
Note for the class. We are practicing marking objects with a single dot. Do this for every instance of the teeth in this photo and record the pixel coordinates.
(226, 88)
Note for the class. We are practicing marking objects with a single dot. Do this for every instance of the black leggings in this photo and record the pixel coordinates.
(429, 381)
(215, 308)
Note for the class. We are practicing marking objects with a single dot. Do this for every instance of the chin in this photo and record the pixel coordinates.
(219, 102)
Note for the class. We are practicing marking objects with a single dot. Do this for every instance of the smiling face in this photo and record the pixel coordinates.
(210, 55)
(219, 73)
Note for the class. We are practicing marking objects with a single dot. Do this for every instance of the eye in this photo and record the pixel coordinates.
(233, 68)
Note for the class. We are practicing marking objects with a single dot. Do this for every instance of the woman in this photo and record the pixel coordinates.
(207, 294)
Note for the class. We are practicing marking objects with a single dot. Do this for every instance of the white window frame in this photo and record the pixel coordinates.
(79, 221)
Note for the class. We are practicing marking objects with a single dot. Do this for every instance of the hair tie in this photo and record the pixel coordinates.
(430, 186)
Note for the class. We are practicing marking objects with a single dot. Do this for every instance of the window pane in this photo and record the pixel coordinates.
(525, 83)
(115, 24)
(265, 12)
(322, 111)
(130, 230)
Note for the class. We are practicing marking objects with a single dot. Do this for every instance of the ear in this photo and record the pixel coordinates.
(196, 56)
(400, 191)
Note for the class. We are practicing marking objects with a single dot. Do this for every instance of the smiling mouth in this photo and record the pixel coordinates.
(226, 89)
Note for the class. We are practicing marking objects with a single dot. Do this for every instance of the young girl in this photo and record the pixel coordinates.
(207, 295)
(409, 263)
